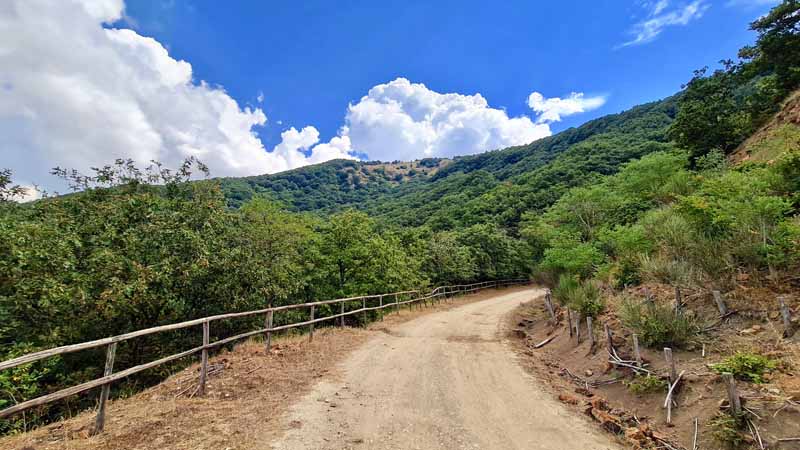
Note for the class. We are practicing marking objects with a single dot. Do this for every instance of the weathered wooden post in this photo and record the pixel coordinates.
(268, 326)
(723, 308)
(341, 314)
(590, 330)
(100, 420)
(678, 300)
(609, 340)
(733, 394)
(648, 296)
(673, 374)
(201, 389)
(578, 329)
(311, 326)
(788, 328)
(364, 307)
(636, 352)
(548, 302)
(569, 323)
(396, 304)
(381, 310)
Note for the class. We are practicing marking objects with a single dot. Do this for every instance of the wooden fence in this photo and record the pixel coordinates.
(109, 376)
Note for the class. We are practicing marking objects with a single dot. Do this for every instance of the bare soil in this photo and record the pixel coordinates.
(443, 381)
(577, 373)
(248, 394)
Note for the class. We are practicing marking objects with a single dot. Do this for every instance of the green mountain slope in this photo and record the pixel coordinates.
(496, 186)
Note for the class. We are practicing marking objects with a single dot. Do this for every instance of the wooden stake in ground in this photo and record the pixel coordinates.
(636, 353)
(609, 340)
(671, 393)
(268, 326)
(311, 327)
(678, 300)
(733, 393)
(100, 420)
(569, 322)
(548, 302)
(788, 328)
(590, 331)
(201, 389)
(670, 364)
(578, 329)
(723, 308)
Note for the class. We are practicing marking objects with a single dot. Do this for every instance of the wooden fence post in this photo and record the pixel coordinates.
(609, 340)
(733, 393)
(364, 314)
(201, 389)
(636, 352)
(549, 304)
(381, 310)
(396, 304)
(311, 326)
(788, 328)
(100, 420)
(590, 330)
(723, 308)
(670, 364)
(569, 323)
(578, 329)
(678, 300)
(341, 314)
(268, 326)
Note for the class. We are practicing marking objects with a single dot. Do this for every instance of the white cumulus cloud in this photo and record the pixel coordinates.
(404, 120)
(659, 18)
(553, 109)
(74, 93)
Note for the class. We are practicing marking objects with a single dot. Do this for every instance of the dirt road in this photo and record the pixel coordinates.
(442, 381)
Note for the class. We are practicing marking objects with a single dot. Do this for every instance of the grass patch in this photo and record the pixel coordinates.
(658, 325)
(646, 384)
(746, 366)
(726, 429)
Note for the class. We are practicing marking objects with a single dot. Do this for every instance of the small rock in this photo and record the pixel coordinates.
(755, 329)
(588, 372)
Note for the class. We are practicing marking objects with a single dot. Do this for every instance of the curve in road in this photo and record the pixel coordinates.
(445, 380)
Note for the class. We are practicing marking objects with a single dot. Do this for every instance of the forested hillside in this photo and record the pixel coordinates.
(650, 195)
(492, 187)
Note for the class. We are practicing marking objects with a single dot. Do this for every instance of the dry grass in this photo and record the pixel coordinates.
(248, 392)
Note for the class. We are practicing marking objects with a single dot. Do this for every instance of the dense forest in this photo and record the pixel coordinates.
(650, 194)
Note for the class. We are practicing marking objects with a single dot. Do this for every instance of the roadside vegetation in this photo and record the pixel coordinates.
(645, 196)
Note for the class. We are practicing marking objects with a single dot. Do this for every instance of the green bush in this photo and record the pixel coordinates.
(726, 429)
(658, 325)
(646, 384)
(746, 366)
(565, 291)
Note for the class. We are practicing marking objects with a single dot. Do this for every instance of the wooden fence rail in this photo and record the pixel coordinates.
(109, 377)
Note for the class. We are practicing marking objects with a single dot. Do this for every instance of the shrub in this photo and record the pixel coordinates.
(725, 429)
(645, 384)
(746, 366)
(565, 291)
(658, 324)
(587, 300)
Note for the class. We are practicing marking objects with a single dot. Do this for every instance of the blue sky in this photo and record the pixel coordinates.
(253, 87)
(311, 59)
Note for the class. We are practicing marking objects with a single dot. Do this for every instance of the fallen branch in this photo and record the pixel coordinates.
(755, 433)
(668, 400)
(545, 342)
(791, 439)
(630, 366)
(694, 439)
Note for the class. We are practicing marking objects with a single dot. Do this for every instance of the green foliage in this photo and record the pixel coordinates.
(646, 384)
(658, 325)
(726, 429)
(569, 257)
(746, 366)
(583, 297)
(719, 111)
